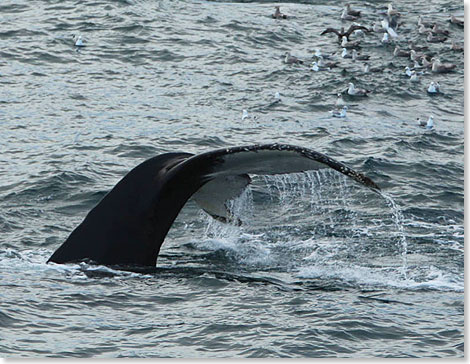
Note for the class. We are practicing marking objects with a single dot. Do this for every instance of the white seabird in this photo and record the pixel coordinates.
(434, 88)
(414, 77)
(339, 101)
(408, 71)
(429, 124)
(345, 54)
(353, 91)
(245, 115)
(78, 41)
(339, 113)
(346, 16)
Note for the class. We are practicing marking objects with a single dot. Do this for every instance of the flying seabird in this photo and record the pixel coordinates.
(341, 33)
(277, 13)
(353, 91)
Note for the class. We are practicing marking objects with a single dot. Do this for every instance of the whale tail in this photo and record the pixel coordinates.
(129, 225)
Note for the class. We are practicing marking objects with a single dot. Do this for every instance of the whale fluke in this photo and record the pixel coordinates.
(128, 226)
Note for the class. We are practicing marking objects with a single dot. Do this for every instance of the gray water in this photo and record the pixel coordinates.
(320, 267)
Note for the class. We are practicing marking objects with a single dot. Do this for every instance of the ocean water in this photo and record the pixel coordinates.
(320, 266)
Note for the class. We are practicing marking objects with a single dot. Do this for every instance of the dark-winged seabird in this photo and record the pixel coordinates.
(277, 13)
(341, 33)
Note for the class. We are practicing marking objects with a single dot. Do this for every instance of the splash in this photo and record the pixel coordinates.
(313, 221)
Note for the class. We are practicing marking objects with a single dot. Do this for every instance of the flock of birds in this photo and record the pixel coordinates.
(422, 60)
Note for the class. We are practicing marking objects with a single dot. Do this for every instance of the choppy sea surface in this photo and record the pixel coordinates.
(320, 267)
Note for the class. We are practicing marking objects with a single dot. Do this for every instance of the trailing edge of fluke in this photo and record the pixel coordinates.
(128, 226)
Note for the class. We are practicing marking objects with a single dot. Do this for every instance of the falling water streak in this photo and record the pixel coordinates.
(398, 219)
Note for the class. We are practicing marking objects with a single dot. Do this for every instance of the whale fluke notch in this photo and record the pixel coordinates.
(128, 226)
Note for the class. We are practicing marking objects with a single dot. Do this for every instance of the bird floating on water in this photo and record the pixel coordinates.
(436, 38)
(368, 68)
(339, 101)
(397, 52)
(245, 115)
(349, 44)
(78, 41)
(348, 17)
(290, 59)
(454, 20)
(353, 91)
(351, 11)
(429, 124)
(345, 54)
(439, 67)
(408, 71)
(339, 113)
(414, 77)
(434, 88)
(277, 13)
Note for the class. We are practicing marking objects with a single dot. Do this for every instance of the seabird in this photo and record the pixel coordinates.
(349, 44)
(339, 113)
(439, 67)
(360, 57)
(391, 11)
(436, 30)
(341, 33)
(346, 16)
(436, 39)
(289, 59)
(385, 39)
(397, 52)
(245, 115)
(434, 88)
(414, 56)
(408, 71)
(277, 13)
(414, 77)
(429, 124)
(353, 91)
(351, 11)
(78, 41)
(422, 29)
(345, 53)
(426, 63)
(277, 97)
(454, 20)
(339, 101)
(322, 64)
(386, 25)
